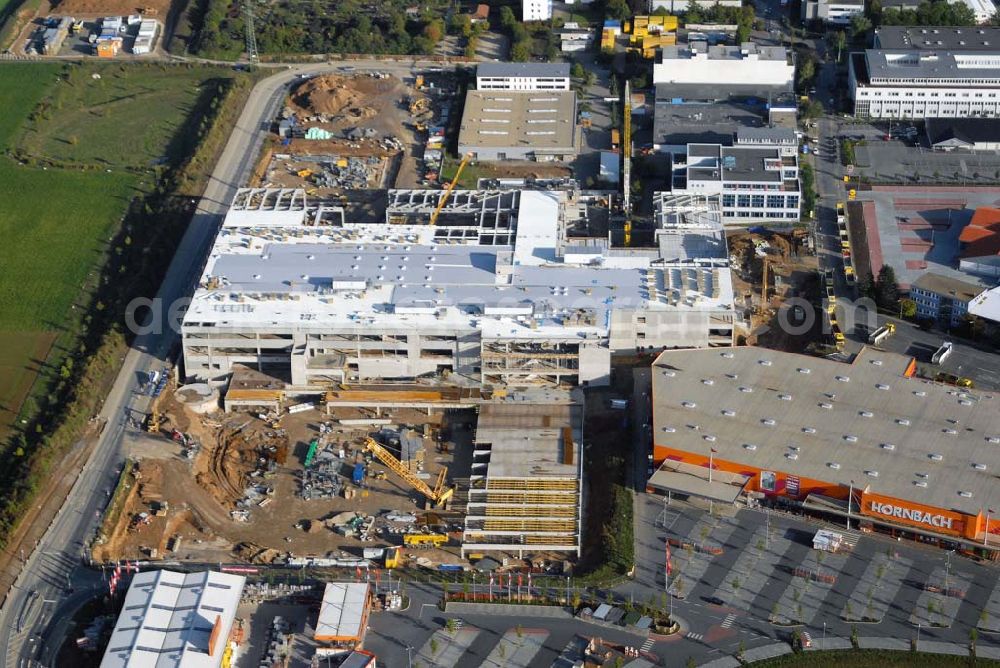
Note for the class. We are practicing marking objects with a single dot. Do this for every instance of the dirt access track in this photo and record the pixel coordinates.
(159, 9)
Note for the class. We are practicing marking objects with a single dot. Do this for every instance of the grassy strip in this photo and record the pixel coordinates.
(855, 658)
(126, 479)
(9, 25)
(139, 255)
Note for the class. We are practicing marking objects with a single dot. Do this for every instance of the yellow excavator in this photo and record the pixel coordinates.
(451, 186)
(438, 496)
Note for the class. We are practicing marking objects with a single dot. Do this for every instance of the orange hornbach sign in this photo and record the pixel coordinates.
(914, 514)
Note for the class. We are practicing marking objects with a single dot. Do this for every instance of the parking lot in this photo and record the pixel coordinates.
(768, 579)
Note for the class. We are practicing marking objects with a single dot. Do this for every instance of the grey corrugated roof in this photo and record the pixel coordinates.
(710, 381)
(522, 70)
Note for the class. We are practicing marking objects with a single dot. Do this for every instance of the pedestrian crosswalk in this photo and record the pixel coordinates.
(648, 645)
(695, 636)
(729, 621)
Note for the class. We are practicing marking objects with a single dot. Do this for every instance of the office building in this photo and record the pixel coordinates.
(536, 10)
(523, 76)
(498, 291)
(942, 298)
(752, 184)
(928, 72)
(837, 12)
(176, 620)
(866, 440)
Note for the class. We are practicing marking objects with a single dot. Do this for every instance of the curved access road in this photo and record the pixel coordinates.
(55, 577)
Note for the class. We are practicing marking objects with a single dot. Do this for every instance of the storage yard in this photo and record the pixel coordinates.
(339, 133)
(285, 491)
(103, 36)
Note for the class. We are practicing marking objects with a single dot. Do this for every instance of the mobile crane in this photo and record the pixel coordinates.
(438, 496)
(451, 186)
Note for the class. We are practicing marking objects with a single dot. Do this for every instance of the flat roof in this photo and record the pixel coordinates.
(746, 64)
(963, 38)
(168, 618)
(527, 433)
(442, 278)
(987, 305)
(838, 421)
(682, 478)
(679, 124)
(734, 163)
(343, 612)
(519, 119)
(971, 130)
(947, 285)
(886, 67)
(523, 70)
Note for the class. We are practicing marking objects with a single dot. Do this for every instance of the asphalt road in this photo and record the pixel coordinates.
(40, 601)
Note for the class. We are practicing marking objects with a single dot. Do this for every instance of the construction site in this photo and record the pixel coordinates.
(769, 269)
(346, 480)
(342, 133)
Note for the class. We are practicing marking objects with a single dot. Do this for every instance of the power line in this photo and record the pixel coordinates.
(251, 35)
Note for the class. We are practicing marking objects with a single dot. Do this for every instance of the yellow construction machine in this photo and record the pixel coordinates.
(451, 186)
(438, 496)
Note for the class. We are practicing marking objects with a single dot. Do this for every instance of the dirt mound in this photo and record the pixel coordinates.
(255, 554)
(333, 96)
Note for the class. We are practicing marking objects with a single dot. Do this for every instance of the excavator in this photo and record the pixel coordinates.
(451, 186)
(438, 496)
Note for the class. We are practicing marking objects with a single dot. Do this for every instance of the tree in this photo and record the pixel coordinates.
(839, 41)
(807, 70)
(520, 52)
(617, 9)
(860, 25)
(507, 18)
(886, 288)
(577, 71)
(461, 24)
(812, 109)
(908, 308)
(434, 31)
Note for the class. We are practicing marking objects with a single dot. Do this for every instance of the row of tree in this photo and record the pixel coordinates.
(345, 27)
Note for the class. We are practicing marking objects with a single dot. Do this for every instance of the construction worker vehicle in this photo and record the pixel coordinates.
(425, 539)
(952, 379)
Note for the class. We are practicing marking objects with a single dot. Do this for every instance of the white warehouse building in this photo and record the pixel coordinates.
(523, 76)
(685, 71)
(496, 291)
(928, 72)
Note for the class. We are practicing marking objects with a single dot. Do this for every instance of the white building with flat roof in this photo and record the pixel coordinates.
(685, 71)
(928, 72)
(175, 620)
(752, 183)
(523, 76)
(836, 12)
(498, 291)
(536, 10)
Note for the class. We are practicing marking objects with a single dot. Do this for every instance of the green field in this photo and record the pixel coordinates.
(89, 145)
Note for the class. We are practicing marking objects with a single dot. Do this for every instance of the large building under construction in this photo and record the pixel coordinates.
(495, 289)
(526, 484)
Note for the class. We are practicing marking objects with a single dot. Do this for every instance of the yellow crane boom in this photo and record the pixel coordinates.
(438, 496)
(451, 186)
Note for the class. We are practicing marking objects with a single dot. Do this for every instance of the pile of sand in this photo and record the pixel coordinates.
(332, 96)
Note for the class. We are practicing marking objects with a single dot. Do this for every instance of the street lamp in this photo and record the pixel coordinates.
(850, 500)
(824, 635)
(409, 659)
(917, 644)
